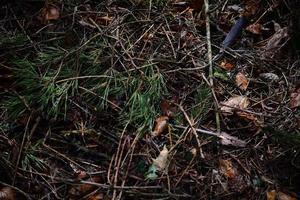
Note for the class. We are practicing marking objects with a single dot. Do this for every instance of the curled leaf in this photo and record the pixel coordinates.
(240, 102)
(162, 160)
(241, 81)
(161, 124)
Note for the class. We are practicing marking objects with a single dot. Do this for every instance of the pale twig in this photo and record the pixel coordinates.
(210, 62)
(193, 129)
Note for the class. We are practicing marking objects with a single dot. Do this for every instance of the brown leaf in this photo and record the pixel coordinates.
(255, 28)
(6, 193)
(227, 169)
(295, 98)
(240, 102)
(271, 195)
(161, 124)
(226, 65)
(241, 81)
(49, 12)
(77, 191)
(168, 108)
(284, 196)
(197, 5)
(251, 8)
(162, 160)
(227, 139)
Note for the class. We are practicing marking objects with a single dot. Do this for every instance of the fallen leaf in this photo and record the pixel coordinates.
(295, 98)
(161, 124)
(241, 81)
(197, 5)
(240, 102)
(77, 191)
(227, 169)
(276, 42)
(284, 196)
(162, 160)
(271, 195)
(97, 196)
(251, 8)
(168, 108)
(6, 193)
(49, 12)
(227, 139)
(226, 65)
(255, 28)
(249, 117)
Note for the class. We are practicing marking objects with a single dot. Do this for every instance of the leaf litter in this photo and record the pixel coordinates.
(117, 67)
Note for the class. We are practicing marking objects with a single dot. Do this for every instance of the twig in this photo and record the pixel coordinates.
(210, 59)
(193, 129)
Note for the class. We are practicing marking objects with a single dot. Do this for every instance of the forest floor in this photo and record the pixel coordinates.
(151, 99)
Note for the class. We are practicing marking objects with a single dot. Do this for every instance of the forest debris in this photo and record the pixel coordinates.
(49, 12)
(284, 196)
(168, 108)
(251, 8)
(77, 191)
(241, 81)
(276, 42)
(162, 160)
(240, 102)
(226, 65)
(271, 195)
(227, 139)
(7, 193)
(269, 77)
(161, 124)
(255, 28)
(227, 169)
(295, 98)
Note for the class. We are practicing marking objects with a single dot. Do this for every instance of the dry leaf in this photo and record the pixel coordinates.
(197, 5)
(162, 160)
(168, 108)
(251, 8)
(227, 139)
(295, 98)
(284, 196)
(255, 28)
(83, 189)
(226, 65)
(49, 12)
(271, 195)
(249, 117)
(240, 102)
(6, 193)
(161, 124)
(276, 42)
(241, 81)
(227, 169)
